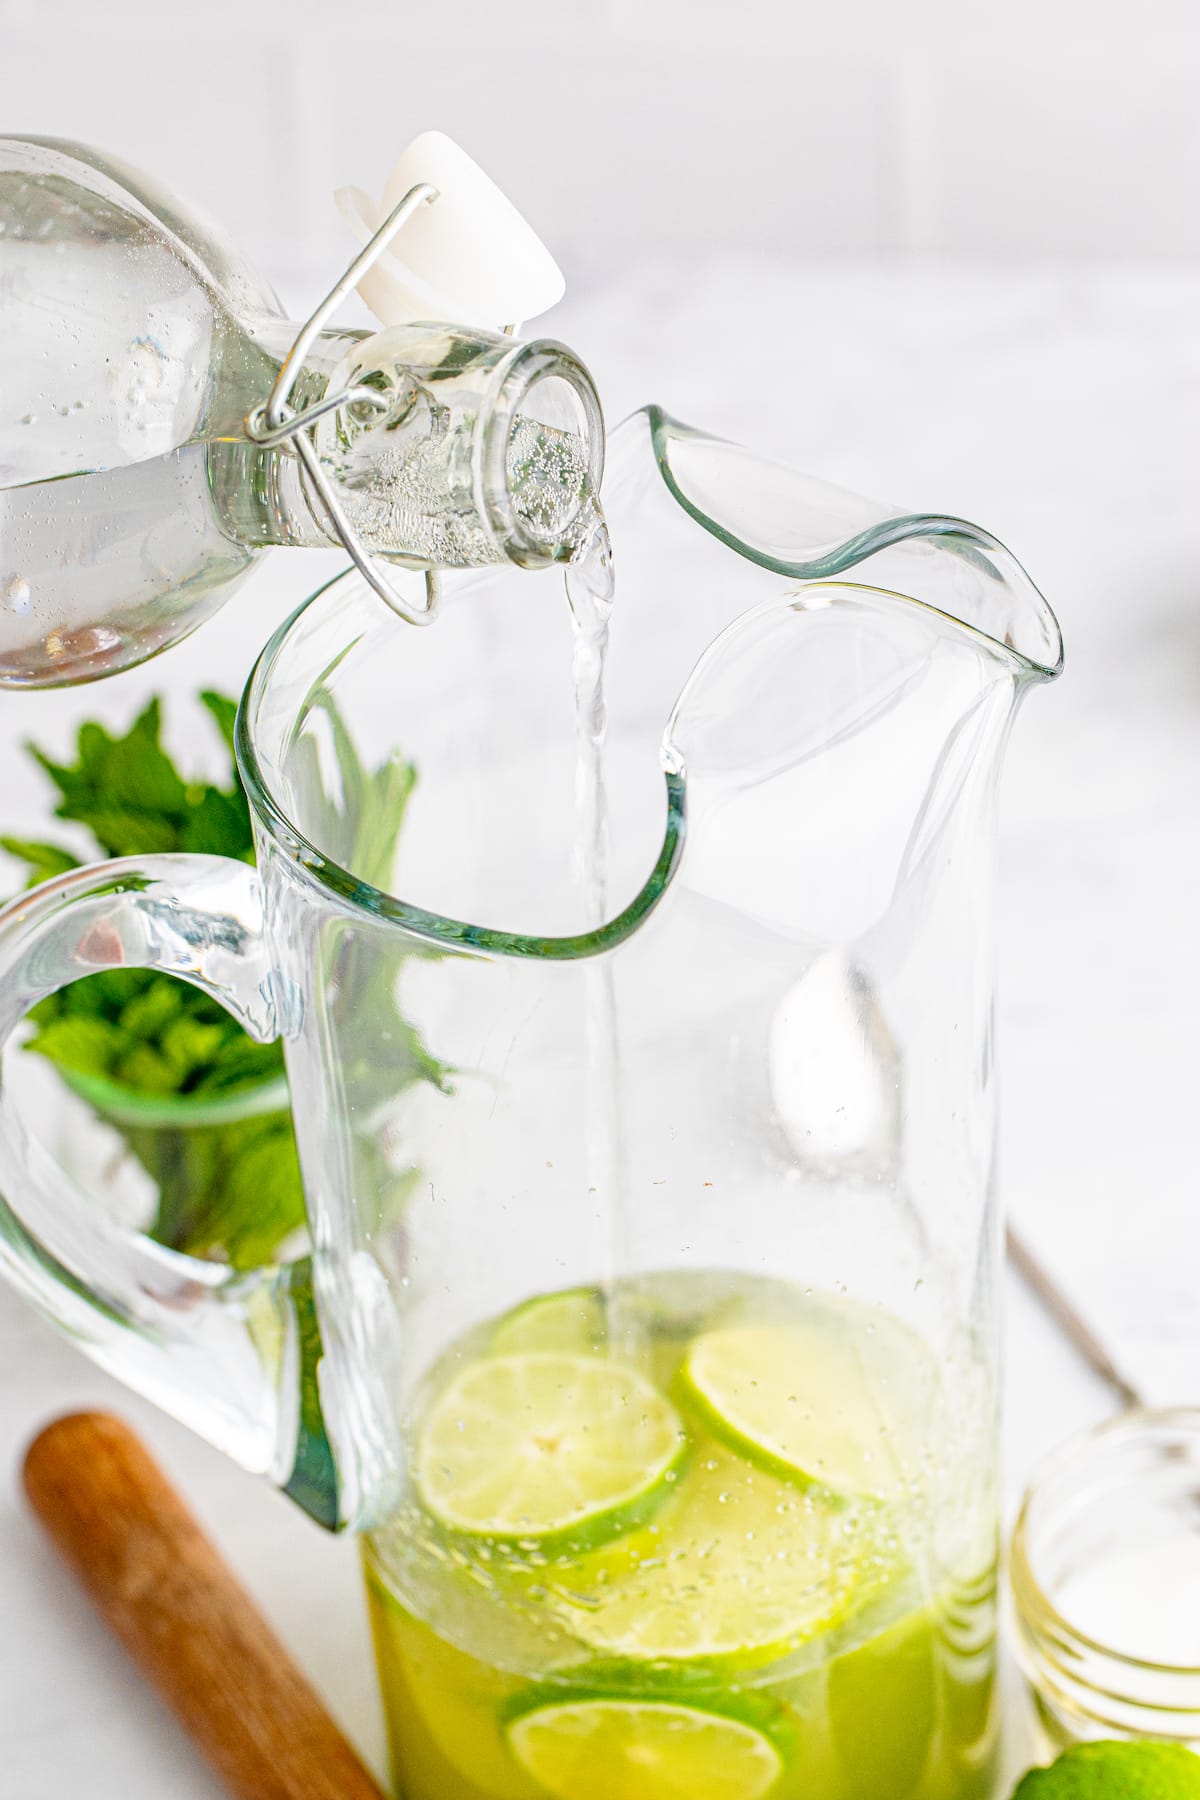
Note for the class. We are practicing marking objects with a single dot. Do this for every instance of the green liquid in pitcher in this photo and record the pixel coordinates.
(679, 1543)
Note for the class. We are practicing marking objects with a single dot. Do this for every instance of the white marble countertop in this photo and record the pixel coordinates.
(1062, 411)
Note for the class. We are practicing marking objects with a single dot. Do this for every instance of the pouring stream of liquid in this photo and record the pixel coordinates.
(590, 592)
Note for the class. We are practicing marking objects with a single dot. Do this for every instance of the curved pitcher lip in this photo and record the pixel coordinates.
(435, 928)
(829, 567)
(833, 564)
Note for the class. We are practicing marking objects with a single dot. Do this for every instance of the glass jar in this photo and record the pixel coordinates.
(1105, 1568)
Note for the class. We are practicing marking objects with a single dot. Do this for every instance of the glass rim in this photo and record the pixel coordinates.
(449, 933)
(1036, 1611)
(435, 928)
(528, 365)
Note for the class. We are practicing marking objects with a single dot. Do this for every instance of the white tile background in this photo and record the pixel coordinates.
(1059, 128)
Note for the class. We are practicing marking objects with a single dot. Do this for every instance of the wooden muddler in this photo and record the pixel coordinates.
(187, 1623)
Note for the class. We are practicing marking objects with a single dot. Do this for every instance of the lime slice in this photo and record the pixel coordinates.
(738, 1570)
(573, 1320)
(643, 1750)
(840, 1404)
(546, 1445)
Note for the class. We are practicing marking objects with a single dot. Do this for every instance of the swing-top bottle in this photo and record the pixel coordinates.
(141, 471)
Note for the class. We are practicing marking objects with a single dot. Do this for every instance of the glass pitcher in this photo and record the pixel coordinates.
(648, 1327)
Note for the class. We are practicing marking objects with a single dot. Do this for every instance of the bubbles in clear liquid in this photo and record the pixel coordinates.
(548, 474)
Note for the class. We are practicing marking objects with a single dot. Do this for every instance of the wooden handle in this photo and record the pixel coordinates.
(187, 1623)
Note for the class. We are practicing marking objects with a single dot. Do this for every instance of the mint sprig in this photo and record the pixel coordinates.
(133, 800)
(229, 1187)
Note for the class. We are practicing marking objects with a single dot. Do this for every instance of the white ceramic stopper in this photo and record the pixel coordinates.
(469, 258)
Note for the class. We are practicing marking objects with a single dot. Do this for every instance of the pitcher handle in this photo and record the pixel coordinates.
(232, 1354)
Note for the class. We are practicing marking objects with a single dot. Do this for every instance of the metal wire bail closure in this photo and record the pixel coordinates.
(274, 425)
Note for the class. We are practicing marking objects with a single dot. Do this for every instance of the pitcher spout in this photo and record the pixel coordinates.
(808, 531)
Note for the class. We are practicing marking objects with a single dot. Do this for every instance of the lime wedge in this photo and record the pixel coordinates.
(547, 1445)
(643, 1750)
(573, 1320)
(739, 1569)
(836, 1404)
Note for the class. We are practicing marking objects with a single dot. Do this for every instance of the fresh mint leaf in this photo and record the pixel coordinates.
(144, 1067)
(152, 1007)
(160, 1036)
(133, 800)
(84, 1043)
(266, 1166)
(230, 1190)
(122, 831)
(387, 795)
(44, 860)
(408, 1059)
(136, 1027)
(189, 1044)
(242, 1063)
(218, 824)
(117, 779)
(224, 711)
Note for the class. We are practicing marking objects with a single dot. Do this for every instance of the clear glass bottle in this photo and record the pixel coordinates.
(133, 500)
